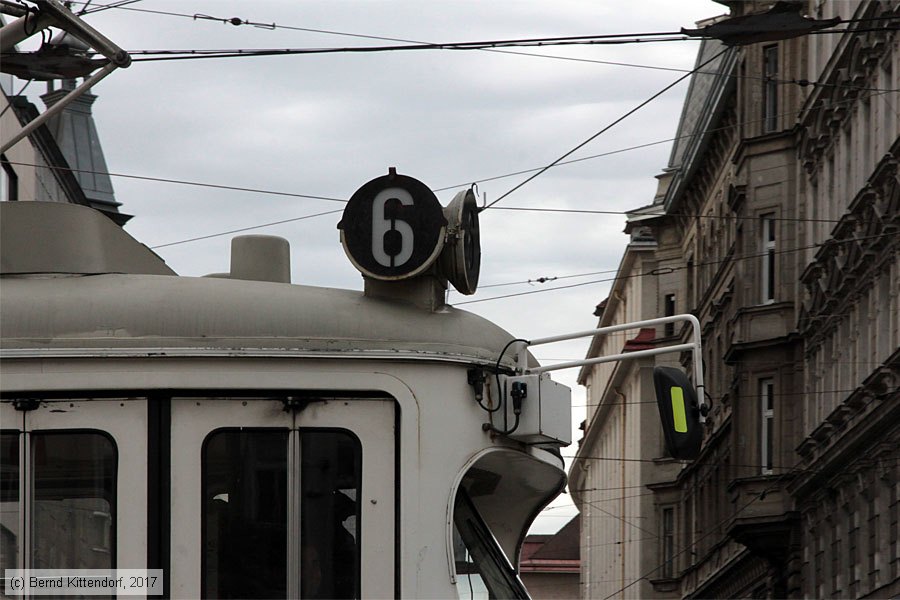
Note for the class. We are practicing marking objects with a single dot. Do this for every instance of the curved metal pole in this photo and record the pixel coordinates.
(694, 346)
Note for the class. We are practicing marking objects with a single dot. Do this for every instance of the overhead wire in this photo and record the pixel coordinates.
(586, 211)
(342, 200)
(720, 398)
(185, 182)
(534, 209)
(648, 144)
(101, 7)
(19, 93)
(619, 518)
(199, 54)
(265, 25)
(713, 530)
(243, 229)
(605, 129)
(331, 212)
(303, 217)
(668, 270)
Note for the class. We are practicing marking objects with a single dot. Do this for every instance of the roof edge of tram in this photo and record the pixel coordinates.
(74, 283)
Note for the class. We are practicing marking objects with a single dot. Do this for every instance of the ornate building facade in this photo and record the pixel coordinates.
(777, 223)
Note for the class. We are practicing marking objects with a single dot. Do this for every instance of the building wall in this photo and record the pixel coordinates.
(551, 586)
(35, 181)
(619, 516)
(850, 320)
(782, 235)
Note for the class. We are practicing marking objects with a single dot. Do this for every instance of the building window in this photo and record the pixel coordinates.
(9, 181)
(767, 424)
(770, 88)
(767, 230)
(669, 311)
(872, 551)
(689, 269)
(853, 551)
(668, 542)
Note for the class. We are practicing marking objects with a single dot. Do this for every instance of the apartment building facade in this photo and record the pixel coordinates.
(775, 224)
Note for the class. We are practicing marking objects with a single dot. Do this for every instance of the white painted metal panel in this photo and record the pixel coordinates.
(370, 420)
(124, 420)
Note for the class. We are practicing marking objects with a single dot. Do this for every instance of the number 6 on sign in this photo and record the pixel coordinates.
(392, 238)
(393, 227)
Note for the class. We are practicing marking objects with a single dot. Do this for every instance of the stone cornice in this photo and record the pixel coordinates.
(848, 73)
(870, 412)
(863, 242)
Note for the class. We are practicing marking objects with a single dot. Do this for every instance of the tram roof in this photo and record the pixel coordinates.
(145, 308)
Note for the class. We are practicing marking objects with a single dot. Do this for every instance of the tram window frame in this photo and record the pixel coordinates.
(205, 565)
(489, 560)
(112, 500)
(296, 493)
(10, 493)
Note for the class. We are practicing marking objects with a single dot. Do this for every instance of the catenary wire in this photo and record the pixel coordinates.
(648, 144)
(605, 129)
(716, 529)
(669, 270)
(538, 280)
(242, 229)
(618, 518)
(184, 182)
(330, 212)
(333, 199)
(622, 488)
(719, 398)
(216, 186)
(102, 7)
(172, 55)
(20, 92)
(238, 21)
(712, 530)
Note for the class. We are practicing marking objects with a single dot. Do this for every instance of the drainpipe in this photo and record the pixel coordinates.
(622, 450)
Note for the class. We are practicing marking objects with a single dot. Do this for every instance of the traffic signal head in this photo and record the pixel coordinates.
(679, 412)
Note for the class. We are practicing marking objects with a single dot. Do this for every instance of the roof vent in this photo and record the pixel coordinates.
(261, 258)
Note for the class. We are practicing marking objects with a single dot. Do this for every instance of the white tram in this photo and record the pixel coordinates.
(253, 438)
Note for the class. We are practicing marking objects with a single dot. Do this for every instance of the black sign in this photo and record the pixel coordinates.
(393, 227)
(679, 412)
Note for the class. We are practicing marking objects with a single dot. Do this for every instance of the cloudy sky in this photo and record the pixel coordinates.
(323, 125)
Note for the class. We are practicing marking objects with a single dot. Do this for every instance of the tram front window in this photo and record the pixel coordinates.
(74, 500)
(251, 533)
(9, 504)
(482, 570)
(245, 525)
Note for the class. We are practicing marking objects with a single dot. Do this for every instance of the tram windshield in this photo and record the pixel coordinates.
(270, 495)
(482, 569)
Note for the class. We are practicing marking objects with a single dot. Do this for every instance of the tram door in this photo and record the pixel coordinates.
(73, 493)
(282, 498)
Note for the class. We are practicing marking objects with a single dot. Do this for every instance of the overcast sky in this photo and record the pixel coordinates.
(325, 124)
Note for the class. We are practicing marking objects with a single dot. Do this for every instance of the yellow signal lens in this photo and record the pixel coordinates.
(678, 409)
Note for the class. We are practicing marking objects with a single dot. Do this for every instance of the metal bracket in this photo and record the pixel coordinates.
(26, 404)
(694, 346)
(476, 379)
(295, 403)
